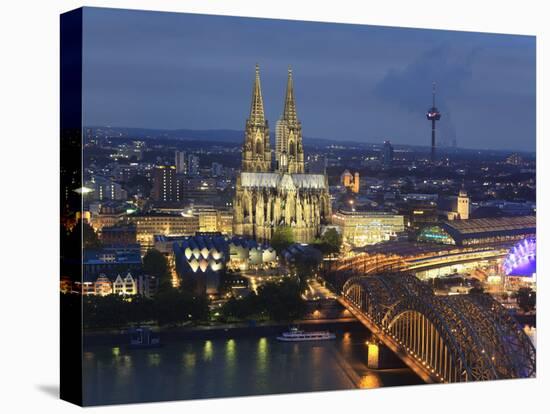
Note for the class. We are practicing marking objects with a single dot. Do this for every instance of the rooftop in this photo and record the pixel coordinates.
(485, 225)
(274, 180)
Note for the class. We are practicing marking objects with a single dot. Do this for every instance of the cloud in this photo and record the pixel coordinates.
(410, 88)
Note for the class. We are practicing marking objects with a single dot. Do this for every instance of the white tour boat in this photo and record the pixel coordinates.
(295, 335)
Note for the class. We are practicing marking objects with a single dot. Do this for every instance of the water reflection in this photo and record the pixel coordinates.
(207, 351)
(189, 360)
(370, 380)
(230, 353)
(242, 366)
(262, 356)
(154, 359)
(230, 366)
(261, 383)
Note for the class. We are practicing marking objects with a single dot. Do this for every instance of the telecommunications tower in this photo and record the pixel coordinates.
(433, 115)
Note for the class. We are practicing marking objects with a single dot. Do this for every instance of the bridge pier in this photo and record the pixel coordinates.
(379, 356)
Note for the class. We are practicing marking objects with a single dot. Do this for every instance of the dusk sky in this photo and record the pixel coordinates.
(352, 82)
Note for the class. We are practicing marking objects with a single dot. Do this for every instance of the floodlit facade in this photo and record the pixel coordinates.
(202, 258)
(286, 196)
(455, 208)
(361, 228)
(103, 286)
(152, 224)
(126, 285)
(350, 181)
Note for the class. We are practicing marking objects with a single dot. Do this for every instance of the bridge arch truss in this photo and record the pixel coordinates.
(452, 338)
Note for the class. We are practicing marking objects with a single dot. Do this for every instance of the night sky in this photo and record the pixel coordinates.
(361, 83)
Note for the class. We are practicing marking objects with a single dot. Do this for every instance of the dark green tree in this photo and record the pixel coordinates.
(82, 232)
(282, 238)
(282, 301)
(248, 307)
(527, 299)
(103, 312)
(330, 242)
(140, 309)
(278, 301)
(89, 237)
(156, 264)
(171, 307)
(305, 266)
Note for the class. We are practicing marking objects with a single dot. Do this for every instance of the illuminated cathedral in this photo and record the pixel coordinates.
(271, 194)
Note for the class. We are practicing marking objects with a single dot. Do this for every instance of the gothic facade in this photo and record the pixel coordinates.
(280, 193)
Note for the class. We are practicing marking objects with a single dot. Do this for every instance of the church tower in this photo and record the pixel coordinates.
(289, 150)
(463, 204)
(256, 149)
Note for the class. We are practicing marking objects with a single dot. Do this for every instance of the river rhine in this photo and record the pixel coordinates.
(245, 365)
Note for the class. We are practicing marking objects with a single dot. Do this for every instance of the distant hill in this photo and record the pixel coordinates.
(215, 135)
(231, 136)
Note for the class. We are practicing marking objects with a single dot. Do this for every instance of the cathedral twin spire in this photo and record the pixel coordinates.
(289, 151)
(289, 112)
(256, 149)
(257, 115)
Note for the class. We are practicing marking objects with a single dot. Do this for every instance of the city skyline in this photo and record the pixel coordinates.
(171, 71)
(216, 255)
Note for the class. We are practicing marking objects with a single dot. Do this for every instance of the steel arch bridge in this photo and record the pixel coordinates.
(443, 338)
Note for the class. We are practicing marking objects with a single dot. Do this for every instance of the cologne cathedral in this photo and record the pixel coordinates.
(275, 193)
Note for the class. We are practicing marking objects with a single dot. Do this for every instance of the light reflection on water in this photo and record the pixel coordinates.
(201, 368)
(207, 352)
(229, 368)
(189, 360)
(154, 359)
(370, 380)
(262, 356)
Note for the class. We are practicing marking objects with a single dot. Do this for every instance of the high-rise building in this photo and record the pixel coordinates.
(217, 169)
(286, 197)
(289, 151)
(198, 188)
(193, 164)
(166, 186)
(103, 188)
(181, 162)
(387, 154)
